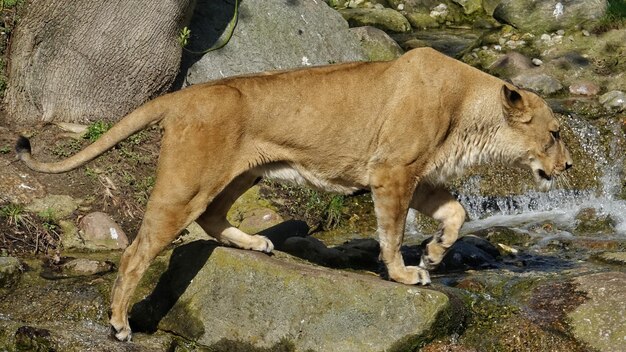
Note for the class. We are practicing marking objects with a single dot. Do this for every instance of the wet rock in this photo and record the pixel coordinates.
(548, 15)
(354, 254)
(505, 235)
(584, 88)
(614, 100)
(317, 309)
(76, 267)
(376, 44)
(53, 205)
(384, 19)
(613, 257)
(10, 271)
(590, 222)
(450, 43)
(17, 187)
(600, 322)
(470, 6)
(305, 33)
(468, 252)
(28, 338)
(540, 82)
(98, 231)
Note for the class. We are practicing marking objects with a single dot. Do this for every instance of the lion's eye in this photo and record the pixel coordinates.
(555, 134)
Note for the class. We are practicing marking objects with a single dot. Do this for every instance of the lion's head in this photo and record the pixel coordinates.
(533, 135)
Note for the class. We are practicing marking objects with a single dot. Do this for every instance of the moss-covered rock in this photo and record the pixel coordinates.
(377, 45)
(9, 271)
(234, 297)
(600, 322)
(589, 222)
(385, 19)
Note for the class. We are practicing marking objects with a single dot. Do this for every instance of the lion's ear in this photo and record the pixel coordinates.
(514, 105)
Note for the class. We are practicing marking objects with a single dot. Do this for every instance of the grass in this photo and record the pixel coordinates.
(5, 150)
(13, 213)
(96, 130)
(614, 18)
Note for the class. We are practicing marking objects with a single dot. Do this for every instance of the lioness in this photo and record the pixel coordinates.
(397, 128)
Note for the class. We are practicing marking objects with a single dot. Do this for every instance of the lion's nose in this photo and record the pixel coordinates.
(568, 165)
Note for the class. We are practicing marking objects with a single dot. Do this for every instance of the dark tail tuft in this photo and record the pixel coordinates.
(22, 146)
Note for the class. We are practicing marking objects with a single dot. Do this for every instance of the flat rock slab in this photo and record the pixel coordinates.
(262, 300)
(600, 322)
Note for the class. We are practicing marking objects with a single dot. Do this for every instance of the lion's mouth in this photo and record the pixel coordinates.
(541, 173)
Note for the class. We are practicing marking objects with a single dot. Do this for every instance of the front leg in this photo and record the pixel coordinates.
(391, 190)
(439, 204)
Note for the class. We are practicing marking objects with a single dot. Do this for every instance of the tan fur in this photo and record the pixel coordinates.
(397, 128)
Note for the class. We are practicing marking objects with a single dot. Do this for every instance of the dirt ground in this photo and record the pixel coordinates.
(118, 183)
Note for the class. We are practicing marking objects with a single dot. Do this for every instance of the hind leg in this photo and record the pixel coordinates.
(166, 215)
(214, 221)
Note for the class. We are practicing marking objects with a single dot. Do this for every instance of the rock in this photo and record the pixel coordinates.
(18, 187)
(451, 44)
(584, 88)
(511, 64)
(600, 322)
(76, 267)
(10, 271)
(540, 16)
(305, 33)
(505, 235)
(613, 257)
(99, 231)
(384, 19)
(589, 222)
(318, 309)
(614, 100)
(376, 44)
(540, 82)
(470, 6)
(54, 206)
(259, 219)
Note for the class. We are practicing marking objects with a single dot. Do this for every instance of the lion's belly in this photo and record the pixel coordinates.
(287, 173)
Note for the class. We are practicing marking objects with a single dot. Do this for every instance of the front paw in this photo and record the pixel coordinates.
(410, 275)
(123, 333)
(427, 264)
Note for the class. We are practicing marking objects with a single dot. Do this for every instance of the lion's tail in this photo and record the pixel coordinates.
(137, 120)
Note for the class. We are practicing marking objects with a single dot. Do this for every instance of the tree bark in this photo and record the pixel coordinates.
(87, 60)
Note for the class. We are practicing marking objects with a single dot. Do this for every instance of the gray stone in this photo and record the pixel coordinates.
(614, 99)
(268, 36)
(539, 82)
(99, 231)
(600, 322)
(259, 219)
(54, 206)
(376, 44)
(470, 6)
(260, 300)
(511, 63)
(385, 19)
(10, 271)
(540, 16)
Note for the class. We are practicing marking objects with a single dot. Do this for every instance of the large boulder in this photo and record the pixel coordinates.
(540, 16)
(600, 322)
(268, 36)
(253, 299)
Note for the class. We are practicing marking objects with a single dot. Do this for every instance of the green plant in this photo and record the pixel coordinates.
(49, 219)
(64, 149)
(10, 3)
(334, 211)
(14, 214)
(615, 17)
(183, 36)
(96, 130)
(5, 150)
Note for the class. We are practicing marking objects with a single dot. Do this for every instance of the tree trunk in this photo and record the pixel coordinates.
(87, 60)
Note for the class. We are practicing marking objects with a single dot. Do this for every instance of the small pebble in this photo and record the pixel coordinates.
(400, 7)
(586, 33)
(537, 62)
